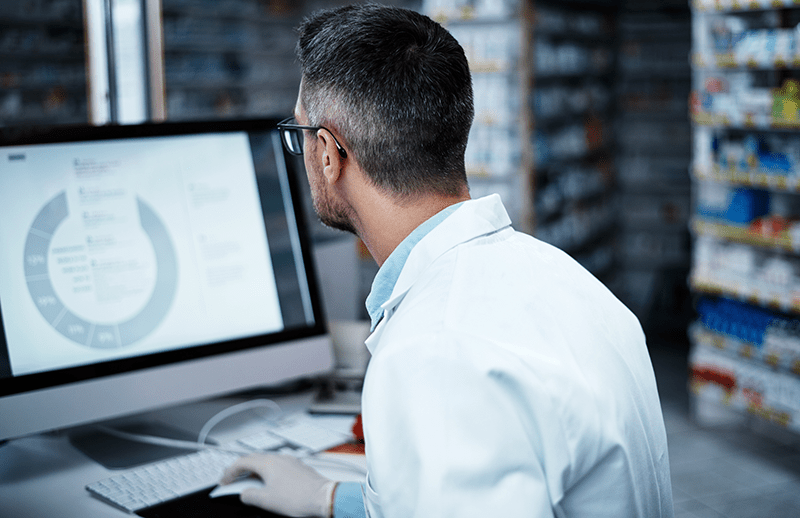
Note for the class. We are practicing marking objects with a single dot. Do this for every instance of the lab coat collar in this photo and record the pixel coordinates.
(385, 280)
(474, 218)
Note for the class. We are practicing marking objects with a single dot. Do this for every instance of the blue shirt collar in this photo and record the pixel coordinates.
(389, 272)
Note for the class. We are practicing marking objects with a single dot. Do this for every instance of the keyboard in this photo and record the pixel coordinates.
(144, 486)
(152, 484)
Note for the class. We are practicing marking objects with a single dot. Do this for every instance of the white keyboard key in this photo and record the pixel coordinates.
(262, 441)
(303, 432)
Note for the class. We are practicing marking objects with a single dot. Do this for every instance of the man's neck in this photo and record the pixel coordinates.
(385, 222)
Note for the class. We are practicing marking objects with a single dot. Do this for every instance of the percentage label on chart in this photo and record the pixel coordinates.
(36, 259)
(75, 329)
(46, 300)
(105, 337)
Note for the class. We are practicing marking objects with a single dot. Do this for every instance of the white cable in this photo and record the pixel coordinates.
(232, 410)
(163, 441)
(200, 444)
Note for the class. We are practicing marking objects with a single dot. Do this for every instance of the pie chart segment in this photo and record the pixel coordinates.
(79, 329)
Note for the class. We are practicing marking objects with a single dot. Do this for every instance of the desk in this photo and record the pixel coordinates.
(44, 476)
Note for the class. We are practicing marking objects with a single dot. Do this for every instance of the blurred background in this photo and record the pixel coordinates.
(657, 142)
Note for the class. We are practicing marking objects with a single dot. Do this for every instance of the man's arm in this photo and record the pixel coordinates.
(348, 500)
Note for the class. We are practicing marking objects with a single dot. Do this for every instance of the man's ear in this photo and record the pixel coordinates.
(331, 159)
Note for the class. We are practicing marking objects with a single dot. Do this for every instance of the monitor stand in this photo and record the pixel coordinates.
(114, 452)
(339, 393)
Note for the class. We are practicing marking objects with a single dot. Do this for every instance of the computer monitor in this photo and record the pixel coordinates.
(150, 265)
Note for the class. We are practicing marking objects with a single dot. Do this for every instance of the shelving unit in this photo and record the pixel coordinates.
(574, 62)
(231, 58)
(543, 130)
(746, 186)
(492, 36)
(654, 154)
(42, 63)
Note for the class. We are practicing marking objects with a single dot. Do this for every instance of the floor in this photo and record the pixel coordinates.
(727, 470)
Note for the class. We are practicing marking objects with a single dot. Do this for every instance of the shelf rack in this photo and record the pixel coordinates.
(745, 344)
(42, 64)
(229, 58)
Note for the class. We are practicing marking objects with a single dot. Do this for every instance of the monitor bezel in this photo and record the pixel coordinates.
(29, 383)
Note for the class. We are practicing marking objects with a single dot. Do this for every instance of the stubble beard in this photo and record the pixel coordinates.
(332, 214)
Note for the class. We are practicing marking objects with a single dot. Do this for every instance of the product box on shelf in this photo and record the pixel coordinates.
(747, 331)
(724, 5)
(746, 273)
(768, 220)
(745, 386)
(735, 205)
(469, 9)
(492, 151)
(733, 101)
(491, 47)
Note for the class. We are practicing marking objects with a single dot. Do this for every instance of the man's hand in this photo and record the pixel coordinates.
(290, 487)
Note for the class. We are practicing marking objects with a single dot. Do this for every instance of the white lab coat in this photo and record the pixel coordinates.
(505, 380)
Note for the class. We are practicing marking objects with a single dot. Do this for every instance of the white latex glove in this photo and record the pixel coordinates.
(290, 487)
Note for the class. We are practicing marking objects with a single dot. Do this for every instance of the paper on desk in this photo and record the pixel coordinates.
(348, 467)
(337, 423)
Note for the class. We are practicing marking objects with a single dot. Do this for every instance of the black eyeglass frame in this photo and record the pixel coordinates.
(285, 124)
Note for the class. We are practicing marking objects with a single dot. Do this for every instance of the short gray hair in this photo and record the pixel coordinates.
(396, 85)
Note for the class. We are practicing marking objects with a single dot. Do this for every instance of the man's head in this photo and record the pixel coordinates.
(396, 87)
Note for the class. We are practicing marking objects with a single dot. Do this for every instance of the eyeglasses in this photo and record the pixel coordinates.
(292, 136)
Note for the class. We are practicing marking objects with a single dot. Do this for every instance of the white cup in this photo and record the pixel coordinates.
(348, 338)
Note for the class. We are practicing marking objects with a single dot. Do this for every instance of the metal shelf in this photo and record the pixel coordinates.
(746, 235)
(783, 303)
(743, 6)
(755, 178)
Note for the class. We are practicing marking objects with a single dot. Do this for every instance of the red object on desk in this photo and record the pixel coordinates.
(356, 447)
(358, 430)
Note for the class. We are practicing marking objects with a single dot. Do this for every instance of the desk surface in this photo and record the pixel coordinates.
(45, 475)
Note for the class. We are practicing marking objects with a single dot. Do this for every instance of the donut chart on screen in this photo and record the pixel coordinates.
(79, 329)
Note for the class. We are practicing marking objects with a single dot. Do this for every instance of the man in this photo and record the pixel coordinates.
(505, 380)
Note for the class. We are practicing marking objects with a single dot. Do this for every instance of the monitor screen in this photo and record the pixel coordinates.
(148, 265)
